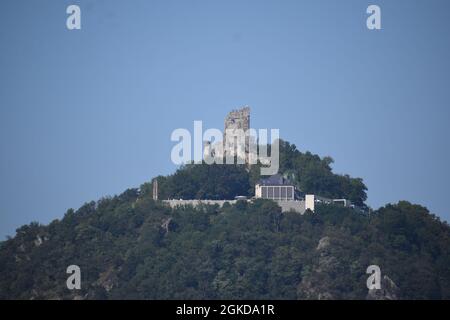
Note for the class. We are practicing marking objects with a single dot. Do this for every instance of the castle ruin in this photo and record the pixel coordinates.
(237, 120)
(237, 124)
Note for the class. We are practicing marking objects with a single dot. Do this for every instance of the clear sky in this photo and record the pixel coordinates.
(89, 113)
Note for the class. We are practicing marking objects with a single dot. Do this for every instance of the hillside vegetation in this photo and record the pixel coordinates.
(131, 247)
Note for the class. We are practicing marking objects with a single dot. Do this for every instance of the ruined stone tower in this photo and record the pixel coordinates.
(155, 189)
(237, 121)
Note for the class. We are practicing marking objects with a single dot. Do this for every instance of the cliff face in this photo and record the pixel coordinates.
(130, 247)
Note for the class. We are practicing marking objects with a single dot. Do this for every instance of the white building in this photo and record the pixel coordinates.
(275, 188)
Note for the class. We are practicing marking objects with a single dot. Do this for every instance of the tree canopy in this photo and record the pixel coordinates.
(131, 247)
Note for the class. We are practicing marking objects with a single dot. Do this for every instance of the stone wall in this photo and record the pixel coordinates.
(294, 205)
(175, 203)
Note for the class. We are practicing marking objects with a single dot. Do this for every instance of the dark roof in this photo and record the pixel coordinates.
(275, 180)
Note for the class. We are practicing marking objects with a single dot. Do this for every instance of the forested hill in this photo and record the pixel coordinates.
(131, 247)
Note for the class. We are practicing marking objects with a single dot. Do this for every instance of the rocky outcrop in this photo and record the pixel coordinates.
(317, 284)
(388, 291)
(166, 225)
(238, 119)
(108, 279)
(323, 243)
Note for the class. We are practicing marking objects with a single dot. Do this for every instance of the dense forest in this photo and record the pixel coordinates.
(132, 247)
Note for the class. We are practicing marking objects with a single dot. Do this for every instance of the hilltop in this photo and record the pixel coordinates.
(132, 247)
(310, 173)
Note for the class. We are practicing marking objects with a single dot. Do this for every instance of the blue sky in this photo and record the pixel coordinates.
(89, 113)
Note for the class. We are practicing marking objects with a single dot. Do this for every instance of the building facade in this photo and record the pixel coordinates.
(275, 188)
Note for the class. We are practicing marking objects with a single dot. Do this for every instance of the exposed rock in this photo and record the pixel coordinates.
(318, 283)
(323, 243)
(238, 119)
(310, 289)
(108, 279)
(166, 225)
(388, 291)
(327, 263)
(38, 241)
(325, 296)
(237, 122)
